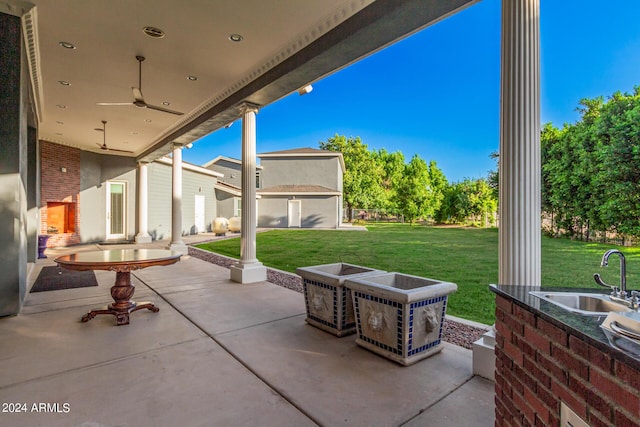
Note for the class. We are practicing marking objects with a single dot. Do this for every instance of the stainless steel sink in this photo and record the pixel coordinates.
(582, 303)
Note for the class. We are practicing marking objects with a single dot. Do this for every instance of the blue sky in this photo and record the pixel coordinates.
(437, 92)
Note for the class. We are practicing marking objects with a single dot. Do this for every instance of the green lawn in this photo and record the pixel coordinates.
(468, 257)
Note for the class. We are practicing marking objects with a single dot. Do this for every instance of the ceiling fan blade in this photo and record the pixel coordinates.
(164, 110)
(114, 103)
(120, 151)
(137, 94)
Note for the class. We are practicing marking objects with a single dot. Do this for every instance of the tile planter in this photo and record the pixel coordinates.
(328, 302)
(400, 316)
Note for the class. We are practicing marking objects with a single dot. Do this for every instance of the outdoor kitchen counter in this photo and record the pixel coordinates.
(585, 328)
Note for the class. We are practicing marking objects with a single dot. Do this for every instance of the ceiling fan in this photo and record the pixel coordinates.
(138, 99)
(104, 140)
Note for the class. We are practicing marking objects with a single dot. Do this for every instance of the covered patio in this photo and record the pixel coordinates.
(216, 354)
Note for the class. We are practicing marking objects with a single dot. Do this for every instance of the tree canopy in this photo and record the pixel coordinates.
(591, 169)
(416, 189)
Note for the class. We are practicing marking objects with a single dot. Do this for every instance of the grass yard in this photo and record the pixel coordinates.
(467, 257)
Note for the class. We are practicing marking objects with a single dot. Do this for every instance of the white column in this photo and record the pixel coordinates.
(143, 204)
(176, 202)
(248, 269)
(520, 194)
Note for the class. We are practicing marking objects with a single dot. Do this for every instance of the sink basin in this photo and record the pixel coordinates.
(582, 303)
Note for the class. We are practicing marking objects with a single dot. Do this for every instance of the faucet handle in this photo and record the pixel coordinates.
(614, 289)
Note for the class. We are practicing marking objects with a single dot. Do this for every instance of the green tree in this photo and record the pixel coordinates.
(414, 196)
(362, 180)
(468, 201)
(393, 165)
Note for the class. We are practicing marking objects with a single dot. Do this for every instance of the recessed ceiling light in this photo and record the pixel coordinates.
(58, 133)
(61, 106)
(147, 120)
(166, 103)
(64, 83)
(67, 45)
(134, 133)
(154, 32)
(235, 37)
(192, 78)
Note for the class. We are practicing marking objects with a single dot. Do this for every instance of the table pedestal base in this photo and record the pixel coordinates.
(121, 293)
(122, 316)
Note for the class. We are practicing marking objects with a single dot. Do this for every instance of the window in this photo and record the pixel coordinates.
(257, 179)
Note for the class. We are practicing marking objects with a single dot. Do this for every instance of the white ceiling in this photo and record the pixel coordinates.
(286, 45)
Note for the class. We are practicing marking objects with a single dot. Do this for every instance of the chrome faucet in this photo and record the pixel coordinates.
(622, 291)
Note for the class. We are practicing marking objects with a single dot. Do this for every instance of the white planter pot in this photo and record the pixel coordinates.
(327, 301)
(400, 316)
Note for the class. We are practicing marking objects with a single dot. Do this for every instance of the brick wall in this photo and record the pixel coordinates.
(539, 364)
(58, 186)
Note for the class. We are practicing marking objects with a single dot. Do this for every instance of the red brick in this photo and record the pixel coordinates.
(520, 402)
(623, 420)
(523, 315)
(556, 334)
(548, 364)
(525, 346)
(600, 359)
(524, 377)
(515, 324)
(541, 376)
(579, 347)
(596, 420)
(503, 329)
(514, 353)
(627, 375)
(569, 361)
(504, 304)
(538, 406)
(591, 396)
(539, 341)
(568, 397)
(622, 396)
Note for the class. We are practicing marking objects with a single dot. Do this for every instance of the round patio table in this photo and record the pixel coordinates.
(123, 262)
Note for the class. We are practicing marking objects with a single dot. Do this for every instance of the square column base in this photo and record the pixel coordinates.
(248, 273)
(143, 238)
(179, 247)
(484, 357)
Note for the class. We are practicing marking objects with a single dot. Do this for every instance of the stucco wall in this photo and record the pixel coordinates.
(96, 170)
(13, 164)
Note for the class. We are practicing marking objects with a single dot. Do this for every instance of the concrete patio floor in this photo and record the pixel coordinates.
(217, 354)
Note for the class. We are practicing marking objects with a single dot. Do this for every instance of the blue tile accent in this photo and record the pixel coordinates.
(385, 301)
(333, 289)
(410, 350)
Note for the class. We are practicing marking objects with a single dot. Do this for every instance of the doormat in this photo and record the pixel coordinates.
(55, 278)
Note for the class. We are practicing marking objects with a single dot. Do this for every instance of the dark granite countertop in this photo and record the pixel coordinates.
(587, 328)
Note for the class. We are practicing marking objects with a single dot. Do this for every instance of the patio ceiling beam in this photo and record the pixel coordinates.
(378, 25)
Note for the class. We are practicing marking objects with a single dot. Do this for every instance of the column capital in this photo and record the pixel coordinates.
(175, 145)
(248, 107)
(143, 162)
